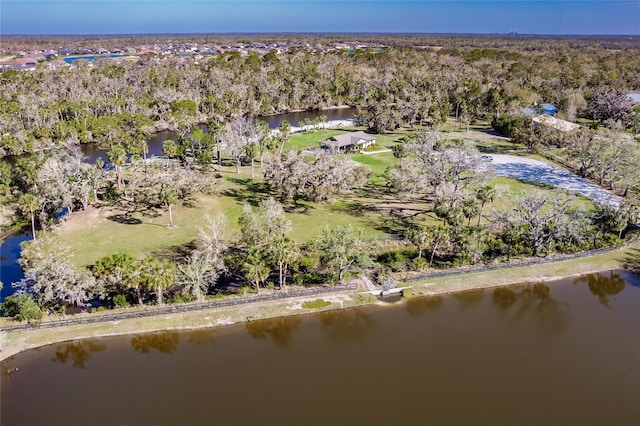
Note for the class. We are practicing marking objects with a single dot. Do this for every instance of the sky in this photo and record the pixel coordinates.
(249, 16)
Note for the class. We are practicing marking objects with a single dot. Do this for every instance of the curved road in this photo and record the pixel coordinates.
(539, 171)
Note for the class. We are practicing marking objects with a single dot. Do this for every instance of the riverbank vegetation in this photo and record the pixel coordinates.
(239, 208)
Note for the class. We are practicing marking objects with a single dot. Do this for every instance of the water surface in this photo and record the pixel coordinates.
(566, 353)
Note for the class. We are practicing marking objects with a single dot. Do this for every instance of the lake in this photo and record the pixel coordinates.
(564, 353)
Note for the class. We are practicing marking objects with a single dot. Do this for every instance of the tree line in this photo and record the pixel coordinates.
(118, 102)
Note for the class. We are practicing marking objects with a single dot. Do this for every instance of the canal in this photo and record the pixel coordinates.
(561, 353)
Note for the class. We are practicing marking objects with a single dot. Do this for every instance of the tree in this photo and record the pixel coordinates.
(158, 275)
(51, 277)
(255, 267)
(284, 131)
(419, 236)
(22, 308)
(196, 275)
(614, 219)
(612, 106)
(210, 242)
(341, 249)
(237, 135)
(263, 227)
(486, 194)
(171, 149)
(296, 175)
(265, 233)
(168, 197)
(540, 216)
(282, 252)
(437, 236)
(120, 270)
(117, 155)
(30, 203)
(585, 149)
(446, 167)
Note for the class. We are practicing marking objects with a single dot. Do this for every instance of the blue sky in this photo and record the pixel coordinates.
(424, 16)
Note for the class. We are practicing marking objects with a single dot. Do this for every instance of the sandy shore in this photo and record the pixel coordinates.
(12, 343)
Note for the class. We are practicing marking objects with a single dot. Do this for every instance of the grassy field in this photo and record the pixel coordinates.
(99, 232)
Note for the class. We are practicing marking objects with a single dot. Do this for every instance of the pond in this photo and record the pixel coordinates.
(561, 353)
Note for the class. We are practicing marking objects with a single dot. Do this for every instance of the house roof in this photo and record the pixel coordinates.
(634, 97)
(347, 139)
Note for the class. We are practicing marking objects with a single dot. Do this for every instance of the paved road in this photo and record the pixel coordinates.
(539, 171)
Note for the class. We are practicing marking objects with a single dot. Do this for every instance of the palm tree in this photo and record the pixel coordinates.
(283, 251)
(132, 277)
(30, 203)
(439, 236)
(158, 275)
(168, 197)
(117, 155)
(255, 268)
(486, 194)
(284, 131)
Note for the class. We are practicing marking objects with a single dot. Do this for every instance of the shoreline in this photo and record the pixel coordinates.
(14, 342)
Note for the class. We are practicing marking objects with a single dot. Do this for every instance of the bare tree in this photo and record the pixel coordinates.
(612, 106)
(539, 216)
(296, 175)
(237, 135)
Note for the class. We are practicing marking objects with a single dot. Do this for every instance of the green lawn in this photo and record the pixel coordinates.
(97, 233)
(377, 212)
(302, 141)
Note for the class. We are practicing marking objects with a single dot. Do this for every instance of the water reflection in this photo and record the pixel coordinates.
(533, 300)
(165, 342)
(469, 298)
(278, 330)
(604, 285)
(347, 325)
(201, 337)
(417, 306)
(77, 352)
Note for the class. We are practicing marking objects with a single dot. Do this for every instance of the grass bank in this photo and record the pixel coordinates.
(12, 343)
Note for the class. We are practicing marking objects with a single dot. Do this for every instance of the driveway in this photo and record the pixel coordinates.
(539, 171)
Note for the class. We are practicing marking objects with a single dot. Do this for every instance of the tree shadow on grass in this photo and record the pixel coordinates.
(631, 260)
(174, 252)
(124, 219)
(299, 208)
(251, 192)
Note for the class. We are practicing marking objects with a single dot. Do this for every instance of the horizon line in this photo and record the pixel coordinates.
(315, 33)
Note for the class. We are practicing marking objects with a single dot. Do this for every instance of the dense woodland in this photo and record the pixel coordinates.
(405, 86)
(401, 85)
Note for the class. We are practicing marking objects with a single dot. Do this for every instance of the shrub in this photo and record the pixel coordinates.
(120, 301)
(21, 308)
(183, 298)
(420, 263)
